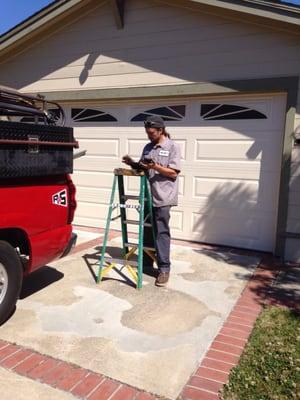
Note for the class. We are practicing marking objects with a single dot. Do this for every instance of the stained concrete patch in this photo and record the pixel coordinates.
(160, 320)
(151, 338)
(212, 265)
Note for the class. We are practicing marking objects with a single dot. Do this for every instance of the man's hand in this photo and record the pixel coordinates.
(127, 160)
(147, 165)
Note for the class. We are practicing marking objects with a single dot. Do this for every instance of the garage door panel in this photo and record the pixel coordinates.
(101, 147)
(97, 211)
(88, 132)
(96, 179)
(228, 150)
(236, 193)
(225, 189)
(230, 225)
(221, 132)
(90, 210)
(259, 150)
(205, 225)
(94, 163)
(176, 221)
(93, 195)
(135, 147)
(183, 146)
(225, 169)
(232, 241)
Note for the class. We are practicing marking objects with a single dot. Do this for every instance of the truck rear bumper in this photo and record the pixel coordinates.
(70, 245)
(48, 246)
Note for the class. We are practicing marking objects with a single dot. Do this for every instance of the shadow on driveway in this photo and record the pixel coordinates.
(92, 261)
(38, 280)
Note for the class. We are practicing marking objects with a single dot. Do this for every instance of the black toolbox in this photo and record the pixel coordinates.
(35, 150)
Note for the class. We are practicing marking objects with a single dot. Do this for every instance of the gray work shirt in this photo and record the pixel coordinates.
(167, 154)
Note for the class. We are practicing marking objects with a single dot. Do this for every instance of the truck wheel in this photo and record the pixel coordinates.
(11, 275)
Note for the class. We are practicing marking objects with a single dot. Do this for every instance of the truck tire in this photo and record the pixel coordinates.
(11, 276)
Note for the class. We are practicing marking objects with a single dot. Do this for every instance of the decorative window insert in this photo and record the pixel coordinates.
(213, 112)
(91, 115)
(167, 113)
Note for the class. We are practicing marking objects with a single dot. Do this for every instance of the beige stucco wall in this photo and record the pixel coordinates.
(159, 45)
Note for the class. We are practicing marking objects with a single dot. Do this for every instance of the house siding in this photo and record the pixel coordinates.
(159, 45)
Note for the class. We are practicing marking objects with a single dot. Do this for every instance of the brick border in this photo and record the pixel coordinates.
(204, 384)
(62, 375)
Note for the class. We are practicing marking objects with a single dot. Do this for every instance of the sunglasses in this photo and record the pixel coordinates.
(150, 124)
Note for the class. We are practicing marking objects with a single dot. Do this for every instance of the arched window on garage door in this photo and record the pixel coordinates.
(79, 115)
(168, 113)
(213, 112)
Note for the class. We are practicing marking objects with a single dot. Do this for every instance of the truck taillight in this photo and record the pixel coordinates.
(72, 200)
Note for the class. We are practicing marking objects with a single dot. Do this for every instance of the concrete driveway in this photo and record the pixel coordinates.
(153, 338)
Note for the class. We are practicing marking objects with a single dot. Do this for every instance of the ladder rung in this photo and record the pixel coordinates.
(120, 261)
(124, 205)
(130, 196)
(133, 222)
(136, 245)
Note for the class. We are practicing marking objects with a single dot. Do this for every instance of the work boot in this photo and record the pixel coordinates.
(162, 279)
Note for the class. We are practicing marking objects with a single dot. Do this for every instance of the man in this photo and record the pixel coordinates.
(161, 161)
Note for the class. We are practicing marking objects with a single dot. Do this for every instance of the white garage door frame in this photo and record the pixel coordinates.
(286, 85)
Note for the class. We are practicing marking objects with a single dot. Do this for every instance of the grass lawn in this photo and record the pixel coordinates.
(270, 365)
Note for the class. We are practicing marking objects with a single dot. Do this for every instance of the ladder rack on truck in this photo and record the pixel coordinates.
(31, 141)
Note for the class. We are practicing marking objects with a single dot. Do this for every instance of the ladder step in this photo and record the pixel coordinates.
(124, 205)
(133, 222)
(120, 261)
(130, 196)
(136, 245)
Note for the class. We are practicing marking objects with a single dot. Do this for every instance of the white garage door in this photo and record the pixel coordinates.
(231, 156)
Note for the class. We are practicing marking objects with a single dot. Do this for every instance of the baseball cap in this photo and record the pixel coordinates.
(154, 121)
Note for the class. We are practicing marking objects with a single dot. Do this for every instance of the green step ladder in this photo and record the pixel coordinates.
(145, 221)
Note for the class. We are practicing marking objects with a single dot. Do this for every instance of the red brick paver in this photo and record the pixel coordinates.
(197, 394)
(43, 369)
(15, 359)
(87, 385)
(105, 390)
(7, 351)
(56, 374)
(75, 376)
(124, 393)
(144, 396)
(30, 363)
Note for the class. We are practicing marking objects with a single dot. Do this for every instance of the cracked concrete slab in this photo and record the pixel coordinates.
(151, 338)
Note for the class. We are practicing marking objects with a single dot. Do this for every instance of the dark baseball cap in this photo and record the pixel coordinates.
(154, 121)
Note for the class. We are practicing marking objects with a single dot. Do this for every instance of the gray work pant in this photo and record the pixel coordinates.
(161, 216)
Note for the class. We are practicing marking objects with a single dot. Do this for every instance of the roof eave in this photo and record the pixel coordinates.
(283, 18)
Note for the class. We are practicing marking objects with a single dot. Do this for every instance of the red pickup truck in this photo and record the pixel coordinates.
(36, 208)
